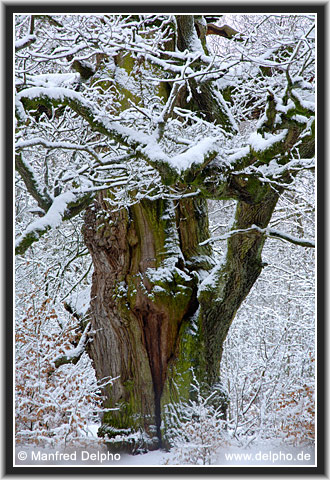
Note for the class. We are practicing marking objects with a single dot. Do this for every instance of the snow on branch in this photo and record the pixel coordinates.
(188, 65)
(72, 356)
(303, 242)
(20, 144)
(28, 175)
(199, 155)
(260, 144)
(274, 171)
(168, 109)
(64, 206)
(32, 97)
(269, 232)
(301, 103)
(146, 145)
(24, 42)
(126, 136)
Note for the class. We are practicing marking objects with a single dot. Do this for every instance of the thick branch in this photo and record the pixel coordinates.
(187, 35)
(221, 294)
(169, 168)
(224, 31)
(244, 175)
(145, 145)
(24, 42)
(64, 207)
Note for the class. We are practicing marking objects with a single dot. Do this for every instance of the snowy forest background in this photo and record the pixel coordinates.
(268, 364)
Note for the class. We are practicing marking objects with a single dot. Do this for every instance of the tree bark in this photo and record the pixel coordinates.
(146, 264)
(233, 279)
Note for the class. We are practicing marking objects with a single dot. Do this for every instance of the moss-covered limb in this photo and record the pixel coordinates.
(77, 206)
(211, 103)
(189, 359)
(187, 34)
(157, 260)
(223, 180)
(31, 98)
(190, 365)
(61, 209)
(144, 145)
(293, 114)
(302, 107)
(270, 113)
(292, 111)
(27, 239)
(208, 100)
(26, 172)
(221, 294)
(244, 177)
(85, 70)
(124, 63)
(134, 67)
(193, 228)
(237, 176)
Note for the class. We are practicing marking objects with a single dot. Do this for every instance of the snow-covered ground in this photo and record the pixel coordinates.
(266, 453)
(261, 454)
(272, 452)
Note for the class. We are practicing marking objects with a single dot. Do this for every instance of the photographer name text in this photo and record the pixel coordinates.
(83, 456)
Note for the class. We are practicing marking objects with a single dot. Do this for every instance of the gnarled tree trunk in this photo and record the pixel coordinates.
(146, 262)
(152, 323)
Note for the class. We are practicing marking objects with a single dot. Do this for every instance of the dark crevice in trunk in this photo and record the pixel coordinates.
(152, 335)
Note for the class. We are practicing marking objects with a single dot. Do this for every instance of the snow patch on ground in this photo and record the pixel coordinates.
(265, 453)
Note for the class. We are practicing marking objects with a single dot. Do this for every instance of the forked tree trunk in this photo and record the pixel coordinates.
(151, 324)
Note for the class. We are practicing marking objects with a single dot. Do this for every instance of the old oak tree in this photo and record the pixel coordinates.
(136, 122)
